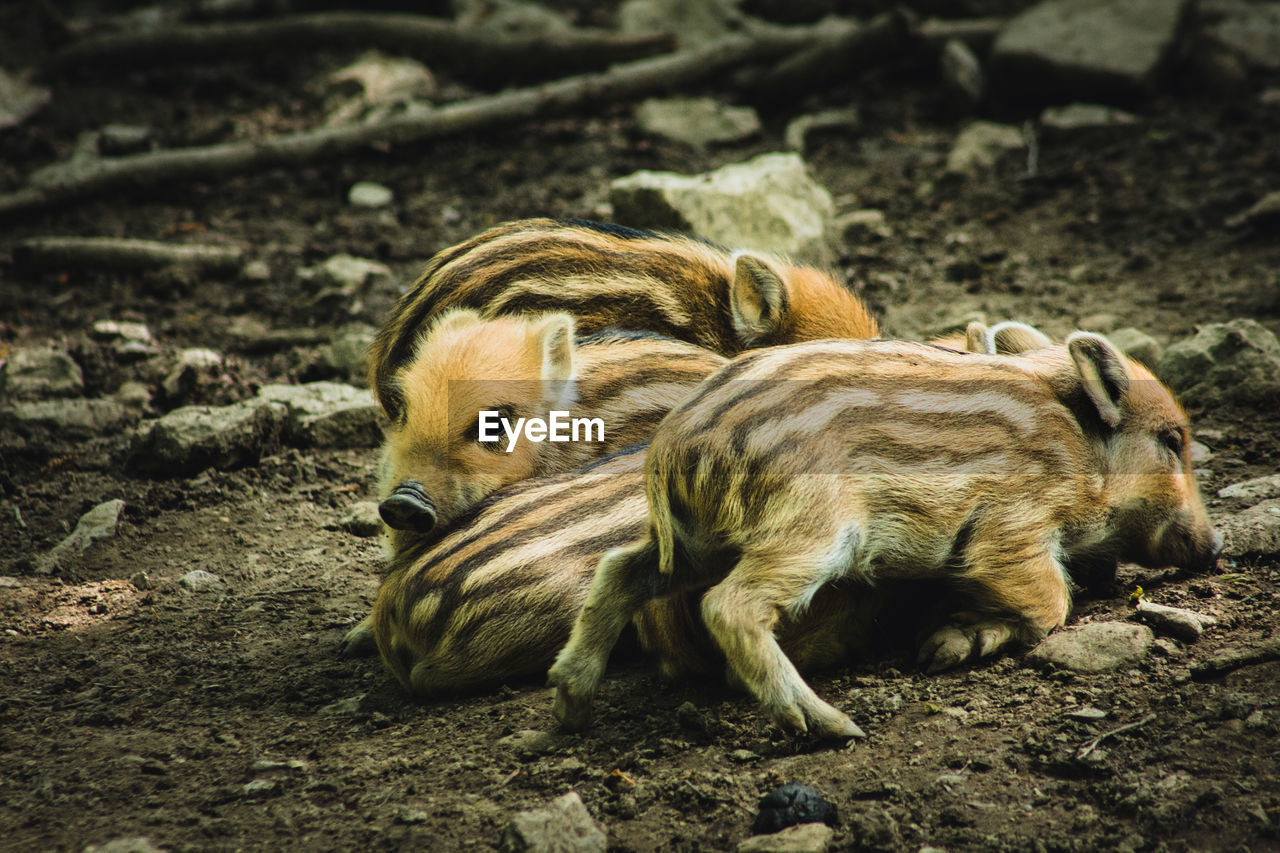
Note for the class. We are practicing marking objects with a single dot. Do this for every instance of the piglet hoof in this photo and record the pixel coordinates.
(826, 723)
(359, 642)
(573, 714)
(947, 647)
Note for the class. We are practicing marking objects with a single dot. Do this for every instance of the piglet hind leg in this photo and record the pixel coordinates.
(622, 584)
(1026, 601)
(741, 612)
(359, 641)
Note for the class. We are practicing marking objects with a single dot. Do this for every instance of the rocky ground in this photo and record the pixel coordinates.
(187, 454)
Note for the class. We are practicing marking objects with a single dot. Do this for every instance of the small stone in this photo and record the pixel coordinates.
(859, 225)
(1083, 116)
(697, 121)
(1086, 49)
(800, 129)
(529, 742)
(369, 194)
(96, 524)
(362, 519)
(34, 374)
(385, 84)
(1103, 324)
(19, 99)
(1087, 713)
(115, 140)
(1137, 344)
(564, 826)
(1168, 648)
(111, 330)
(346, 273)
(980, 145)
(1199, 453)
(1184, 625)
(262, 788)
(1253, 491)
(192, 438)
(766, 204)
(328, 414)
(962, 73)
(256, 271)
(347, 350)
(742, 756)
(76, 416)
(349, 705)
(265, 766)
(198, 580)
(1096, 647)
(140, 581)
(1233, 362)
(191, 366)
(791, 804)
(133, 395)
(125, 844)
(1254, 531)
(802, 838)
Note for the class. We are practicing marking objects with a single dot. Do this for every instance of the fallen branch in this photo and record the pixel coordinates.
(58, 253)
(484, 56)
(81, 178)
(1086, 750)
(842, 51)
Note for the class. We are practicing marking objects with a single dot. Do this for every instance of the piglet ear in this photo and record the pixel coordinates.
(458, 318)
(757, 298)
(555, 343)
(977, 338)
(1103, 374)
(1012, 338)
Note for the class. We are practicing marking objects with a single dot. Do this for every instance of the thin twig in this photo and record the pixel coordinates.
(122, 254)
(1088, 748)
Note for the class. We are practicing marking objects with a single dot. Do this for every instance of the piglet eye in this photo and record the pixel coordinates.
(1172, 439)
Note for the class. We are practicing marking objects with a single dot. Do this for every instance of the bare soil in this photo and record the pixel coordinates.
(128, 711)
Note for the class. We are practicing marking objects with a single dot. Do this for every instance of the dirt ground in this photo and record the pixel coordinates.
(148, 712)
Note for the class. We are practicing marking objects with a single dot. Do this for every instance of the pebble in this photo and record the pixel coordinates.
(192, 438)
(1253, 491)
(327, 414)
(198, 580)
(35, 374)
(1087, 713)
(980, 145)
(1175, 622)
(802, 838)
(1095, 647)
(96, 524)
(349, 705)
(261, 788)
(962, 73)
(76, 415)
(369, 194)
(697, 121)
(1080, 116)
(563, 826)
(858, 225)
(1137, 344)
(799, 129)
(1254, 531)
(115, 140)
(529, 742)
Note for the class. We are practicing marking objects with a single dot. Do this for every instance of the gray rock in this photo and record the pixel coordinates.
(564, 826)
(256, 271)
(1086, 49)
(385, 84)
(141, 581)
(198, 580)
(1252, 32)
(1174, 622)
(858, 226)
(19, 100)
(349, 705)
(801, 128)
(1082, 116)
(1096, 647)
(193, 438)
(697, 121)
(96, 524)
(189, 368)
(133, 395)
(1137, 344)
(694, 23)
(1257, 489)
(1087, 713)
(125, 844)
(529, 742)
(362, 519)
(262, 788)
(980, 145)
(117, 139)
(1101, 323)
(328, 414)
(113, 331)
(369, 194)
(74, 416)
(1264, 214)
(35, 374)
(347, 273)
(802, 838)
(1234, 362)
(347, 350)
(962, 73)
(1254, 531)
(1198, 452)
(768, 204)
